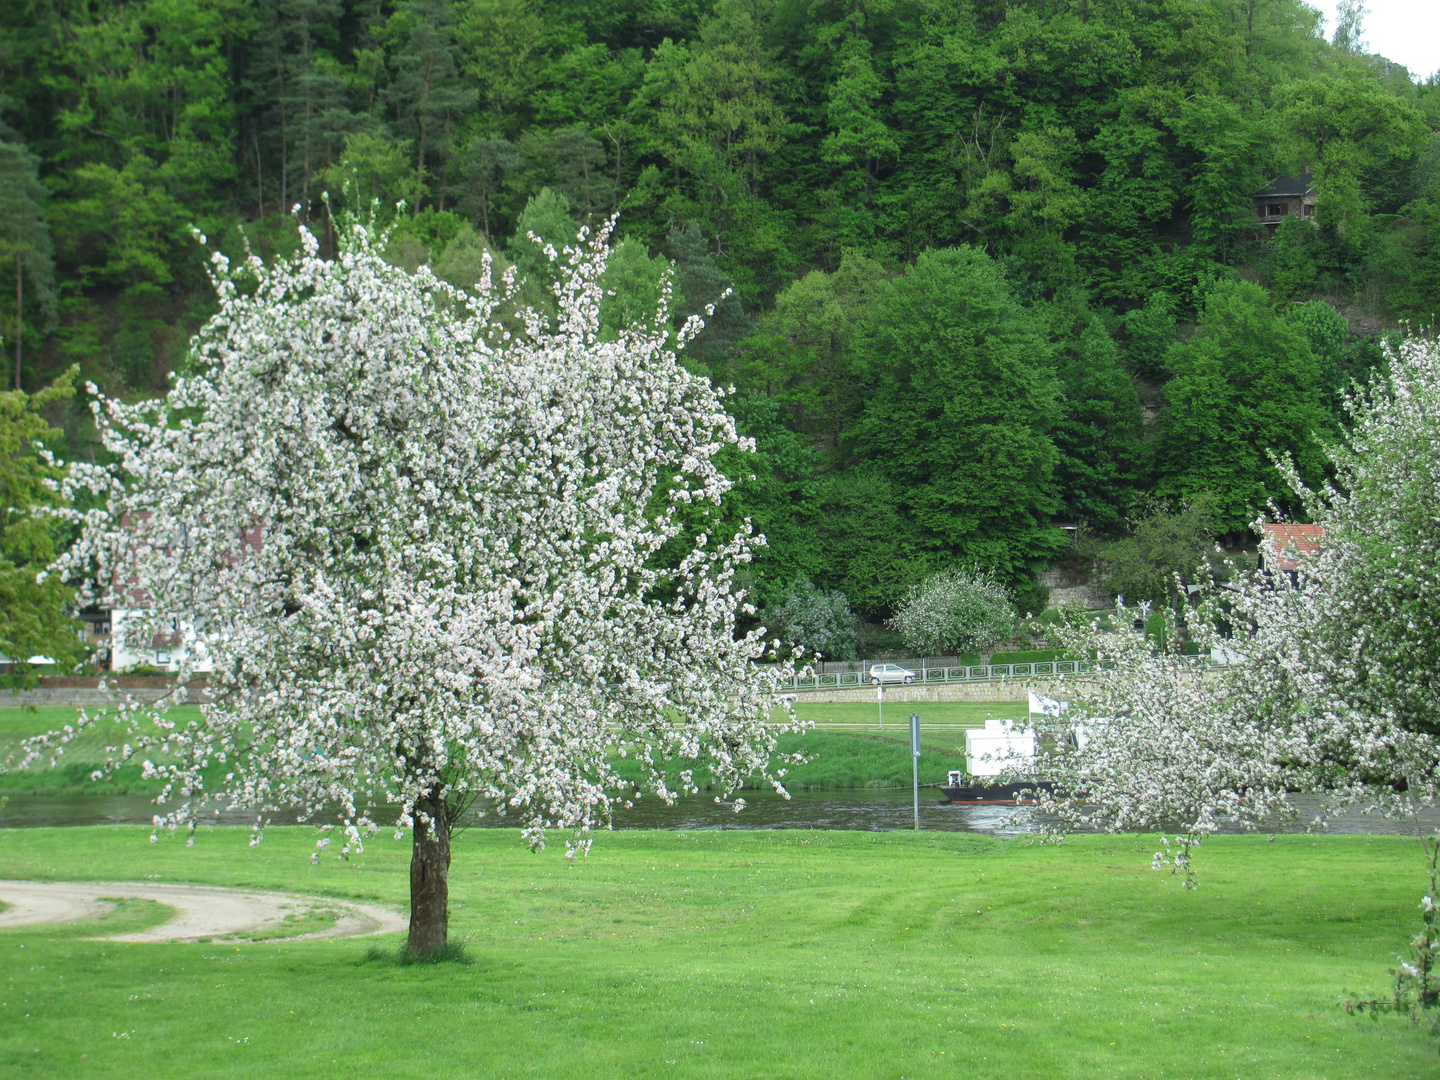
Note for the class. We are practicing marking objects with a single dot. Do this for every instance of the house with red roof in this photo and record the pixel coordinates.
(1284, 544)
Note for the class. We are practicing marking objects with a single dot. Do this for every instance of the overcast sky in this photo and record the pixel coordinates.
(1406, 31)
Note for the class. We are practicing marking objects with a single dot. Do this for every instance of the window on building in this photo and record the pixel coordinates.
(1309, 209)
(1274, 209)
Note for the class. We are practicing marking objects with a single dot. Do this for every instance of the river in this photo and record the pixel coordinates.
(865, 809)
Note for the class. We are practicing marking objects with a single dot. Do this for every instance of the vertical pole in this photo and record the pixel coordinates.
(915, 762)
(880, 697)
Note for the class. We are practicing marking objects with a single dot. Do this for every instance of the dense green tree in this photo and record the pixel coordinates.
(499, 45)
(1416, 295)
(545, 221)
(1233, 148)
(857, 137)
(1246, 386)
(462, 260)
(707, 290)
(426, 93)
(960, 402)
(374, 170)
(577, 169)
(119, 227)
(1165, 547)
(35, 617)
(1296, 257)
(803, 352)
(1328, 333)
(1150, 333)
(716, 122)
(481, 170)
(634, 283)
(305, 94)
(864, 542)
(1136, 195)
(1342, 125)
(776, 491)
(1032, 193)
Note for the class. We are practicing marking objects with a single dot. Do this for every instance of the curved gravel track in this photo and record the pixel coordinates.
(201, 911)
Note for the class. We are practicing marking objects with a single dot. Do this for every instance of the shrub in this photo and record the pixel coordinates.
(817, 620)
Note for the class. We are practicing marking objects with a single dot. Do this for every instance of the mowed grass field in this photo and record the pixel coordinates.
(741, 956)
(942, 723)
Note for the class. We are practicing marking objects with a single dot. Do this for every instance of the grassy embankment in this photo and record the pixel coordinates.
(847, 750)
(741, 955)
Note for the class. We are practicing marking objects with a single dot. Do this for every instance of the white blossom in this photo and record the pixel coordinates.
(418, 535)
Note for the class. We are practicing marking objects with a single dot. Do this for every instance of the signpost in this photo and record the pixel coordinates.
(915, 762)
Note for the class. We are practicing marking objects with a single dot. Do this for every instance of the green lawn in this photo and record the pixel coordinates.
(847, 748)
(742, 955)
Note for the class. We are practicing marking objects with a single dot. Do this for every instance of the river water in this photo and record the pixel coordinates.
(864, 809)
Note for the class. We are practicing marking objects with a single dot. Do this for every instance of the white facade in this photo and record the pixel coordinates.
(126, 653)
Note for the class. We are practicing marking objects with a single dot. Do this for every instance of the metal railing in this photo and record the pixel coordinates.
(960, 673)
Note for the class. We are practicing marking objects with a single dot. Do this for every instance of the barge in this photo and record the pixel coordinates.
(976, 792)
(988, 752)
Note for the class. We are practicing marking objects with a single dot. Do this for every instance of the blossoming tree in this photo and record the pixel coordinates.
(418, 538)
(955, 610)
(1334, 678)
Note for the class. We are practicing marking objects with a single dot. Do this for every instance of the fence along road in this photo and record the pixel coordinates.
(960, 673)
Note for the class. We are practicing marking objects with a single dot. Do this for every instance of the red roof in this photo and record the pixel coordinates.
(1289, 541)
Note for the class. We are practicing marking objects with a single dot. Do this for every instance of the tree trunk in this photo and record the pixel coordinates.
(429, 878)
(19, 315)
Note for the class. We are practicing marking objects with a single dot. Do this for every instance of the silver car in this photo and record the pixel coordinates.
(883, 673)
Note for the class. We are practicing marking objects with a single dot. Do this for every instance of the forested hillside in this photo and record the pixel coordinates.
(995, 266)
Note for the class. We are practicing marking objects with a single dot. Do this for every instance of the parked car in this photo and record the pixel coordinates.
(883, 673)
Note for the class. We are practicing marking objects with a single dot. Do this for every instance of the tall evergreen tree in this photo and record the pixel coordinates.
(426, 93)
(25, 253)
(1098, 437)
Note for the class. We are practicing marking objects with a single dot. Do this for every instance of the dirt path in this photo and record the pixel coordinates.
(201, 911)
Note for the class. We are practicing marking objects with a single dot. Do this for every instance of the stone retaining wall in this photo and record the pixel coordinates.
(76, 692)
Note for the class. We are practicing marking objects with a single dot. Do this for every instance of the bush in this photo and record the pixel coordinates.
(1029, 656)
(816, 620)
(1166, 545)
(955, 611)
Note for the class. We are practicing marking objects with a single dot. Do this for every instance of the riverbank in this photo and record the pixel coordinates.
(795, 954)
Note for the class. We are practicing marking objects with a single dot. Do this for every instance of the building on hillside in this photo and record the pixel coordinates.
(1283, 545)
(1288, 196)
